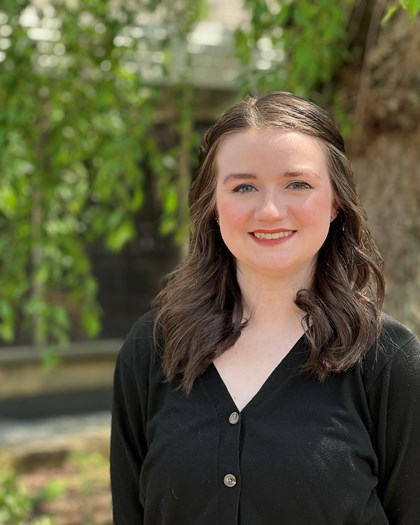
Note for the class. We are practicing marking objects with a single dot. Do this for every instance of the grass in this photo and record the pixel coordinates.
(73, 492)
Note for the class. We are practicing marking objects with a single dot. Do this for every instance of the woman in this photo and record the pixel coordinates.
(266, 386)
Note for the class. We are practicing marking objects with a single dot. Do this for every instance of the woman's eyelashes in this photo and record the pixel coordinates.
(299, 185)
(244, 188)
(296, 185)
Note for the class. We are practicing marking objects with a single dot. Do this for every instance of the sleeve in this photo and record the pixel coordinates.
(394, 399)
(128, 441)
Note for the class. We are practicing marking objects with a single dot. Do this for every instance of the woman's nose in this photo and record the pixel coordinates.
(271, 208)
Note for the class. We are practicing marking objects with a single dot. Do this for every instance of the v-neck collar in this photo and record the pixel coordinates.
(221, 397)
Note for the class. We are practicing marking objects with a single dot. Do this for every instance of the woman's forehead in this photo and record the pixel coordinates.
(275, 145)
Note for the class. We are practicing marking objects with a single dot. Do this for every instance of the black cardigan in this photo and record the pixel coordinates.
(346, 451)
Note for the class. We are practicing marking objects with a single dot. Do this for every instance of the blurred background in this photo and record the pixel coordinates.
(103, 104)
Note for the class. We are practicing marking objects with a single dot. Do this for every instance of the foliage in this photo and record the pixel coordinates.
(78, 81)
(17, 507)
(411, 6)
(309, 36)
(74, 134)
(173, 167)
(309, 39)
(92, 470)
(45, 495)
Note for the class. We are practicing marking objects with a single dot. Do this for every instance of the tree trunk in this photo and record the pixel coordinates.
(386, 157)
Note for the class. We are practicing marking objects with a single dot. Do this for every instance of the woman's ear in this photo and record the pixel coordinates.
(334, 212)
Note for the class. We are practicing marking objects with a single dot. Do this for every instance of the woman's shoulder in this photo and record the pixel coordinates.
(397, 351)
(394, 334)
(139, 345)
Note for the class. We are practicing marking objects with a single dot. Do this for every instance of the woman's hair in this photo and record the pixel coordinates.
(200, 311)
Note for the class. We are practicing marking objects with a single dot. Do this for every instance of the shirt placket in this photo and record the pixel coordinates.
(229, 472)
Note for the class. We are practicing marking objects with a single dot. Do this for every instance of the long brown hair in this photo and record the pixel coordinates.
(200, 311)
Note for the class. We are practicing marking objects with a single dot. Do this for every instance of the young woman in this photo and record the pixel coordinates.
(267, 386)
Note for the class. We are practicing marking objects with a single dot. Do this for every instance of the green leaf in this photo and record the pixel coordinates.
(8, 201)
(413, 8)
(284, 14)
(6, 331)
(167, 225)
(50, 358)
(389, 14)
(120, 236)
(170, 202)
(243, 46)
(91, 322)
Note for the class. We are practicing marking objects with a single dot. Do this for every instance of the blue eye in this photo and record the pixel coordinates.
(298, 185)
(244, 188)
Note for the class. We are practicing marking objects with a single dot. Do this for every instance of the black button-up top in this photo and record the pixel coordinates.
(301, 452)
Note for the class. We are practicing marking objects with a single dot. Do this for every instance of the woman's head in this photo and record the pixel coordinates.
(289, 112)
(201, 311)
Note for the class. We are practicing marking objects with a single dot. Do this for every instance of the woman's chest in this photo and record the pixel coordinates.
(251, 361)
(304, 442)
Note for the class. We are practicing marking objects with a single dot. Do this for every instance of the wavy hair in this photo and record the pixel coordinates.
(200, 310)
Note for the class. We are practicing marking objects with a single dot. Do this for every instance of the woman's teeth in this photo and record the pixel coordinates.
(269, 236)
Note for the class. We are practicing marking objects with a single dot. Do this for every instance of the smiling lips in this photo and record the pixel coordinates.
(269, 236)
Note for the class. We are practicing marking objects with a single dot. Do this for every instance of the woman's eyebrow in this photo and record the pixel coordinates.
(300, 173)
(288, 174)
(239, 176)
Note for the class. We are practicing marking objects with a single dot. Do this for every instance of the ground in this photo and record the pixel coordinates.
(77, 492)
(62, 483)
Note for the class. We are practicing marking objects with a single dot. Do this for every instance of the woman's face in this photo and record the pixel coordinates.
(274, 200)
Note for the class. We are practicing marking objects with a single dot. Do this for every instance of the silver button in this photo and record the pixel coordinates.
(229, 480)
(234, 418)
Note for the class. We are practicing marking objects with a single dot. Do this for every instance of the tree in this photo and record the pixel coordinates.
(75, 131)
(294, 28)
(361, 60)
(386, 154)
(80, 98)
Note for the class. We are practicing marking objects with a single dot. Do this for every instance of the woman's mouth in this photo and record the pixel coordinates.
(273, 235)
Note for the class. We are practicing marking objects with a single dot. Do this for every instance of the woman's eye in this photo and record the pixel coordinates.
(244, 188)
(299, 185)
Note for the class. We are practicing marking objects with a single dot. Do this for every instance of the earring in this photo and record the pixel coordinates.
(334, 215)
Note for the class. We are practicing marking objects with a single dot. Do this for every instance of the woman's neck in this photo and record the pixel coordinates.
(266, 300)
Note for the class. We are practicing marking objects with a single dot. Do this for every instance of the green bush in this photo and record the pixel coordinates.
(17, 506)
